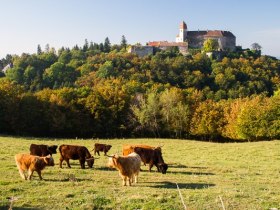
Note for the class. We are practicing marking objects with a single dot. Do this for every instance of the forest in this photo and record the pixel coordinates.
(101, 91)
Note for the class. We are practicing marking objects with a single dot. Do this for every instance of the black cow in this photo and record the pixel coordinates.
(74, 152)
(42, 149)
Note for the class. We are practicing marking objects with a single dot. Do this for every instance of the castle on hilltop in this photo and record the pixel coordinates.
(195, 39)
(189, 39)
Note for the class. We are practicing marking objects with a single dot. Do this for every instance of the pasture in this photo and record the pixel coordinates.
(209, 176)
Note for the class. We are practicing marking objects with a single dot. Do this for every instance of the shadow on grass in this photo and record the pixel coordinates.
(191, 173)
(171, 185)
(175, 165)
(103, 168)
(70, 179)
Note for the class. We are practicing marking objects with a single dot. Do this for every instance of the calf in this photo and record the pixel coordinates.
(149, 155)
(31, 163)
(101, 148)
(42, 149)
(128, 166)
(74, 152)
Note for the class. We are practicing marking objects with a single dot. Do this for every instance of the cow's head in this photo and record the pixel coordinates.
(49, 160)
(162, 167)
(52, 149)
(112, 161)
(90, 161)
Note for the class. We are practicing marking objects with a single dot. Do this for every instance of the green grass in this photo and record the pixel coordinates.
(241, 175)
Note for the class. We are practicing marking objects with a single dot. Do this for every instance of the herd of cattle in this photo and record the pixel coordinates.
(128, 164)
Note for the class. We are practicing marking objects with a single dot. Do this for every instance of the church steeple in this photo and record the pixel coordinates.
(183, 29)
(183, 25)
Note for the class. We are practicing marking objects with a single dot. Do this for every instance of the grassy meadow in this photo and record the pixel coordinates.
(209, 175)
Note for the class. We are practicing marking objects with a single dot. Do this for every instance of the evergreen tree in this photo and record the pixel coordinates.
(101, 47)
(39, 50)
(123, 42)
(91, 46)
(107, 45)
(47, 48)
(85, 47)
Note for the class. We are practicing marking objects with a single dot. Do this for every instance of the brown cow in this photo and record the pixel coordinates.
(31, 163)
(149, 155)
(74, 152)
(101, 148)
(42, 149)
(128, 166)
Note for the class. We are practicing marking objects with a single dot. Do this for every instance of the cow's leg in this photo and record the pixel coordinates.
(150, 166)
(98, 153)
(30, 172)
(22, 174)
(129, 180)
(39, 173)
(94, 152)
(60, 162)
(82, 163)
(105, 153)
(124, 180)
(67, 162)
(136, 176)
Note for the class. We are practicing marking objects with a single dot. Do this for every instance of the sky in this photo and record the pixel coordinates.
(25, 24)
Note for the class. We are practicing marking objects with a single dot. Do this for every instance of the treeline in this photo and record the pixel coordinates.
(89, 92)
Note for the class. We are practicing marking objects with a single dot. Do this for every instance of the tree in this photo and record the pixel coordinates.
(210, 45)
(207, 120)
(256, 46)
(107, 45)
(147, 113)
(47, 48)
(175, 113)
(123, 42)
(85, 47)
(39, 50)
(106, 70)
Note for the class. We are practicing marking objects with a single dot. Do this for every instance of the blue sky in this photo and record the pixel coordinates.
(25, 24)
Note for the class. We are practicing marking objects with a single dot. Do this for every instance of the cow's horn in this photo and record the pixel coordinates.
(90, 158)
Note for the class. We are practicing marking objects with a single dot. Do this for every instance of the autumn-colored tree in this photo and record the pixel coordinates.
(207, 121)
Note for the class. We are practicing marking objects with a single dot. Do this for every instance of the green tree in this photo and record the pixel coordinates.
(256, 46)
(86, 46)
(39, 50)
(175, 113)
(210, 45)
(107, 45)
(106, 70)
(147, 113)
(123, 42)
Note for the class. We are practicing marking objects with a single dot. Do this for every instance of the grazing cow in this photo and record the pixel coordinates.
(31, 163)
(42, 149)
(101, 148)
(128, 166)
(74, 152)
(149, 155)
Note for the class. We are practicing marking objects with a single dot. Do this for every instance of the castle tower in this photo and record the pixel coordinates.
(182, 33)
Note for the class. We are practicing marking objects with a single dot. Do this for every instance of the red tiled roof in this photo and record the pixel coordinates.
(167, 44)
